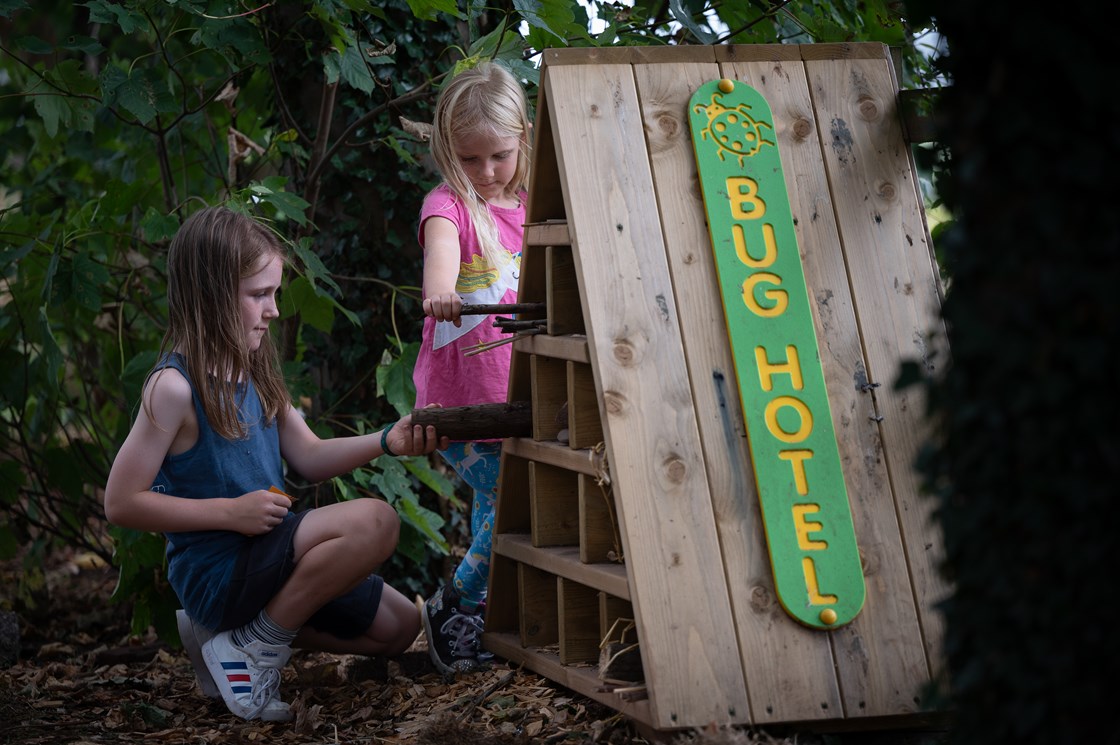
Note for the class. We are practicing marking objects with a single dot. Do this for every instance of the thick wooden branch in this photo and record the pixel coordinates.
(479, 422)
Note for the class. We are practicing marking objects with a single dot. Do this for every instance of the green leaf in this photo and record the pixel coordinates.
(51, 354)
(87, 277)
(52, 110)
(427, 10)
(134, 374)
(83, 44)
(158, 226)
(422, 469)
(33, 45)
(425, 521)
(129, 21)
(271, 192)
(314, 309)
(394, 378)
(7, 7)
(138, 98)
(354, 71)
(313, 266)
(684, 17)
(551, 15)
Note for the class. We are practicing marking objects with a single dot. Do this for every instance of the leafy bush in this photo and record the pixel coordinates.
(121, 118)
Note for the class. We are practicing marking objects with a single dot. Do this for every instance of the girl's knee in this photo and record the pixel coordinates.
(377, 517)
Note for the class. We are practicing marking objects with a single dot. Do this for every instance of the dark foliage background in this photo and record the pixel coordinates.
(1027, 469)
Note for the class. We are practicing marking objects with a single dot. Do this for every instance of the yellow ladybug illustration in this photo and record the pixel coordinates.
(734, 130)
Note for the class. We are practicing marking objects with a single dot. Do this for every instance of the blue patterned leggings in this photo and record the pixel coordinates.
(477, 464)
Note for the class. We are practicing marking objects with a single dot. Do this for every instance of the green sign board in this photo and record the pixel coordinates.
(805, 508)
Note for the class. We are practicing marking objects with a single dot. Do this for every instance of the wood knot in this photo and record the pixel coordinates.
(802, 128)
(595, 111)
(613, 403)
(668, 125)
(868, 108)
(761, 598)
(868, 562)
(623, 353)
(888, 191)
(675, 470)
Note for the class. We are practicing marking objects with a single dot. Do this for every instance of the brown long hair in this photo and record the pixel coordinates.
(213, 250)
(485, 99)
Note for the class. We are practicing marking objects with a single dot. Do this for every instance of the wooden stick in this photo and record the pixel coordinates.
(485, 310)
(480, 421)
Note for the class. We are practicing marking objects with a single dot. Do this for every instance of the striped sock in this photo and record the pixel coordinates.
(263, 629)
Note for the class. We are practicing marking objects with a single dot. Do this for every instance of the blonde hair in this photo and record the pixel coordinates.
(210, 254)
(487, 100)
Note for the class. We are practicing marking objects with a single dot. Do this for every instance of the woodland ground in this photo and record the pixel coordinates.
(81, 678)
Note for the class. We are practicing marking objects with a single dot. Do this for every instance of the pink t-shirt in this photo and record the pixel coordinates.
(443, 375)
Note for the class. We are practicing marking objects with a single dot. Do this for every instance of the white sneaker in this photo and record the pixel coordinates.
(194, 636)
(248, 678)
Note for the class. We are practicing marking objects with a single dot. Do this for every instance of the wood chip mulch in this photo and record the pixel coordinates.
(81, 678)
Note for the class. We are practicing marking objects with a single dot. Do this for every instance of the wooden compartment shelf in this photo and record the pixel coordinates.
(634, 505)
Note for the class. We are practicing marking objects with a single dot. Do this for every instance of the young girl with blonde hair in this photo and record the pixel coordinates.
(471, 228)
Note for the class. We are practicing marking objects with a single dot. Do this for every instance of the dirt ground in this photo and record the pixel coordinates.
(81, 678)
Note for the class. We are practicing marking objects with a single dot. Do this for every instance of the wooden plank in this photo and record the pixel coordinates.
(547, 201)
(550, 392)
(554, 505)
(511, 513)
(598, 527)
(789, 668)
(563, 561)
(844, 51)
(653, 444)
(588, 461)
(503, 600)
(564, 313)
(579, 622)
(573, 348)
(612, 609)
(583, 680)
(539, 619)
(895, 301)
(628, 55)
(585, 427)
(551, 233)
(757, 53)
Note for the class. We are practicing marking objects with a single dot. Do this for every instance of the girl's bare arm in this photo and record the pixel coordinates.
(441, 269)
(129, 500)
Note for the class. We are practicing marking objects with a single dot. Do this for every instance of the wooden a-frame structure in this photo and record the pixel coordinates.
(647, 516)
